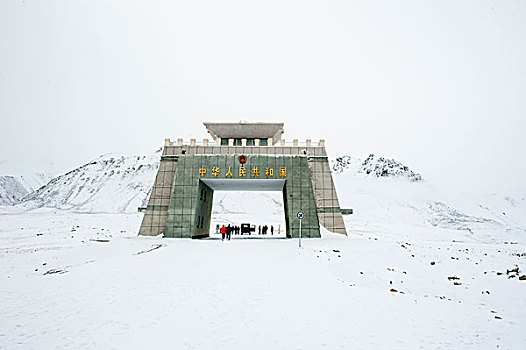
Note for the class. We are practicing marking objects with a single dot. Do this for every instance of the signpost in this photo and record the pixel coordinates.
(300, 215)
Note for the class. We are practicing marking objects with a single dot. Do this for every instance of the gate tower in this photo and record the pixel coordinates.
(242, 156)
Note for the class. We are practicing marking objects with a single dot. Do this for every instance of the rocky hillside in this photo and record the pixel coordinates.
(110, 183)
(11, 190)
(374, 166)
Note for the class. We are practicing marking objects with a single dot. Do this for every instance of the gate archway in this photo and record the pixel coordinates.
(190, 208)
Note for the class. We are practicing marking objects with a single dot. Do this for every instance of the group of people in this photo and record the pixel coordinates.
(263, 230)
(226, 231)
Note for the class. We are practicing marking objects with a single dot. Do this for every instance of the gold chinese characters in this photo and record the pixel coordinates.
(215, 171)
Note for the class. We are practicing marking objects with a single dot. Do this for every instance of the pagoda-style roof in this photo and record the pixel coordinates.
(245, 130)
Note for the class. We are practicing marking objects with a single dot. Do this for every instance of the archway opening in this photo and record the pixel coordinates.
(252, 208)
(252, 214)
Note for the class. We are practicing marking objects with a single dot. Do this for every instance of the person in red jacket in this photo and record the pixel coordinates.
(223, 231)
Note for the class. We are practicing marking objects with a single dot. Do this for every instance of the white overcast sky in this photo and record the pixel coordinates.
(438, 85)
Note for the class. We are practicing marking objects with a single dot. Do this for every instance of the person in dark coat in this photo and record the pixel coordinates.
(272, 229)
(228, 232)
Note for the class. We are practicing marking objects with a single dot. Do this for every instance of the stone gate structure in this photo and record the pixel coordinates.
(243, 156)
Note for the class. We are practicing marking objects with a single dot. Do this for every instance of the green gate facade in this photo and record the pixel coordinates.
(190, 207)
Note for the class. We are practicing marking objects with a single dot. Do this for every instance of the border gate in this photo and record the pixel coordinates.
(180, 203)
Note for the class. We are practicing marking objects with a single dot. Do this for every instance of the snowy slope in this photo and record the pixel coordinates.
(11, 190)
(110, 183)
(19, 178)
(401, 197)
(33, 181)
(31, 176)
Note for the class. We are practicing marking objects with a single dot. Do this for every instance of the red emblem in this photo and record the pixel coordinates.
(242, 159)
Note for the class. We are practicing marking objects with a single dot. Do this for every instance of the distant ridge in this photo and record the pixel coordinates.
(373, 166)
(110, 183)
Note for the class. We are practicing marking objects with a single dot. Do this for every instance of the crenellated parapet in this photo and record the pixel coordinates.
(244, 142)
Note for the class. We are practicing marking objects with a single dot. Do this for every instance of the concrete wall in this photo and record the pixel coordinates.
(328, 206)
(203, 210)
(157, 208)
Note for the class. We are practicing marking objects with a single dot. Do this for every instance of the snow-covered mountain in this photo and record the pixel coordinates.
(31, 176)
(33, 181)
(402, 198)
(110, 183)
(373, 166)
(11, 190)
(18, 179)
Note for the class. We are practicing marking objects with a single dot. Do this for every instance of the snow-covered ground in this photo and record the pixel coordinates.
(87, 281)
(420, 268)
